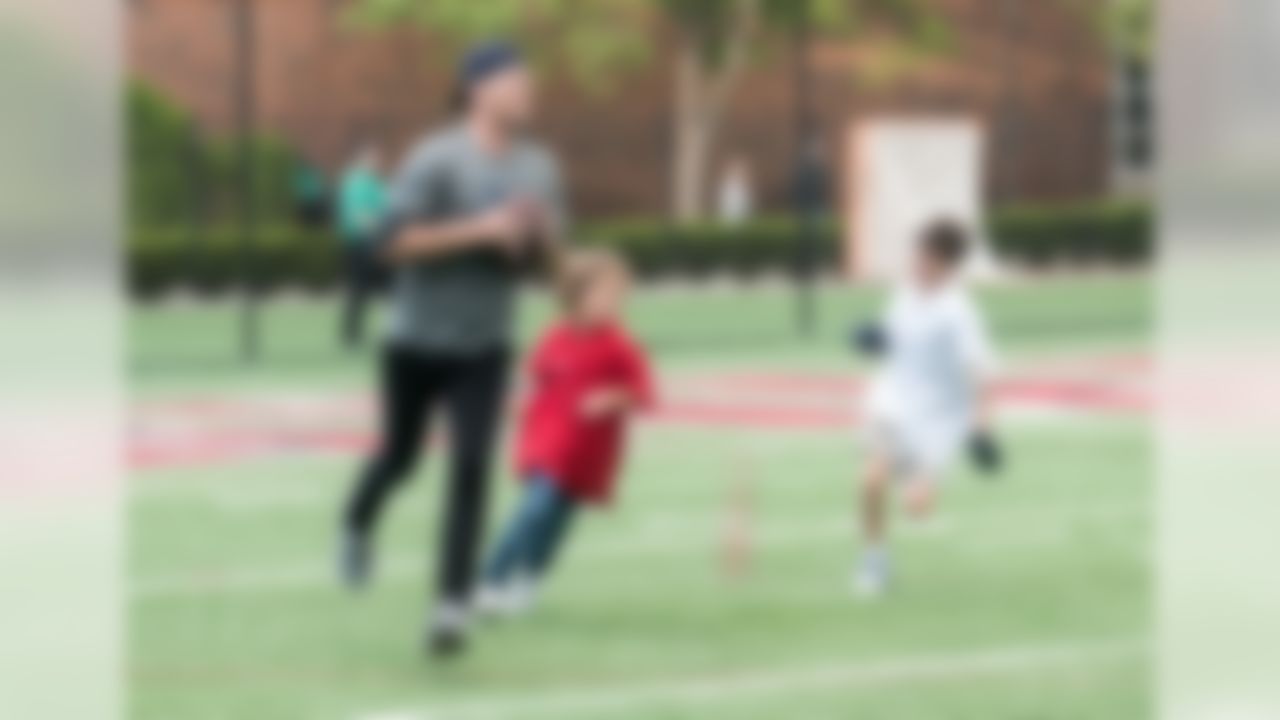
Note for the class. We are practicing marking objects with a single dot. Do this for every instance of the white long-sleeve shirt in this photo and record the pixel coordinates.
(940, 352)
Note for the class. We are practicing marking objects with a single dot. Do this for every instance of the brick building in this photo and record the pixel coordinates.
(1033, 74)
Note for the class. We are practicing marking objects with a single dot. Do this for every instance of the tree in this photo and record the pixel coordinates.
(1126, 26)
(1125, 29)
(714, 42)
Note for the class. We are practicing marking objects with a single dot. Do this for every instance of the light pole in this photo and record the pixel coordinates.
(197, 189)
(809, 181)
(1009, 125)
(244, 33)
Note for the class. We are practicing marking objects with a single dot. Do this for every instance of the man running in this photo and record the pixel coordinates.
(472, 203)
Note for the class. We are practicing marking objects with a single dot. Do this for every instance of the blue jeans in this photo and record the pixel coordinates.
(535, 533)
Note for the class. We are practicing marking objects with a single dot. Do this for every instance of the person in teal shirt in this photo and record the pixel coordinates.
(362, 203)
(310, 194)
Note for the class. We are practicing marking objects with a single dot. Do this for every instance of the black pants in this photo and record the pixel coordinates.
(361, 270)
(312, 212)
(470, 389)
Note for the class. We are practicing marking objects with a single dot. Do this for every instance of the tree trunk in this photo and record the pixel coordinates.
(702, 92)
(693, 130)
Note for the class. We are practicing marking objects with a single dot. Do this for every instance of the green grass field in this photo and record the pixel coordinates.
(1026, 600)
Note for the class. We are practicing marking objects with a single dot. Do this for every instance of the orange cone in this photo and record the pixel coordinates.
(737, 542)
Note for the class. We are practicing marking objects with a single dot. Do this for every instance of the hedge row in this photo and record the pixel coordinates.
(769, 244)
(1118, 232)
(287, 256)
(213, 260)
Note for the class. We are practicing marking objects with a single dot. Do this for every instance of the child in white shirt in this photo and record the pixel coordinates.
(930, 396)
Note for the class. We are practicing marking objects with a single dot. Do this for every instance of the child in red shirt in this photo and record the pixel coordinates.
(587, 376)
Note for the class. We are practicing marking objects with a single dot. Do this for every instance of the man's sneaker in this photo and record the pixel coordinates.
(447, 633)
(355, 560)
(871, 577)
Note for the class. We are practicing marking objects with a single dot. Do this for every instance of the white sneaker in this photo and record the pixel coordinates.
(447, 630)
(871, 578)
(451, 616)
(522, 595)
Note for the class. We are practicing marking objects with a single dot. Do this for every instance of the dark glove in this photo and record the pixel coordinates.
(537, 254)
(870, 339)
(986, 453)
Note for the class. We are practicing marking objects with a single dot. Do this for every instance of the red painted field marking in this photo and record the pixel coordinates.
(198, 431)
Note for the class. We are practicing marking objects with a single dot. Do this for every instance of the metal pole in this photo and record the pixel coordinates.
(193, 161)
(1009, 138)
(806, 190)
(244, 103)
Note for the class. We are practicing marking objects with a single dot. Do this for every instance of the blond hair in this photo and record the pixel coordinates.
(578, 270)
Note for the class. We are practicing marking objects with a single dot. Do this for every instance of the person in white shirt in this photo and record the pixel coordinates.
(929, 397)
(736, 201)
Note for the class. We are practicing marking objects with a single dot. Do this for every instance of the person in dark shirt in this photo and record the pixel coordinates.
(471, 204)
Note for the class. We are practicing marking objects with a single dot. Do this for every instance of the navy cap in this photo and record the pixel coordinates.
(486, 59)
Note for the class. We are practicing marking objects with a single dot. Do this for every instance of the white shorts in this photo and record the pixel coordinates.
(917, 444)
(913, 453)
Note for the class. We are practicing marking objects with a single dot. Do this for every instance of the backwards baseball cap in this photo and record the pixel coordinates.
(481, 62)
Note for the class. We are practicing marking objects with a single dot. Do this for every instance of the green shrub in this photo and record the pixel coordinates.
(274, 163)
(178, 176)
(165, 156)
(1111, 231)
(166, 257)
(656, 248)
(282, 256)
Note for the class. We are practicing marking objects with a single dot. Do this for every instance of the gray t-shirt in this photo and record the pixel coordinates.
(463, 303)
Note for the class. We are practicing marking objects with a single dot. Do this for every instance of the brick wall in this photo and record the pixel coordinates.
(319, 83)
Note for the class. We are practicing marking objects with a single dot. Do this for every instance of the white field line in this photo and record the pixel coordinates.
(694, 537)
(747, 686)
(404, 565)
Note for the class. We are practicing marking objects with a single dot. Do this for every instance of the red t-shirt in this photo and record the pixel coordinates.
(555, 439)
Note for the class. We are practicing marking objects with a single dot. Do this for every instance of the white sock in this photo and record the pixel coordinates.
(451, 615)
(876, 556)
